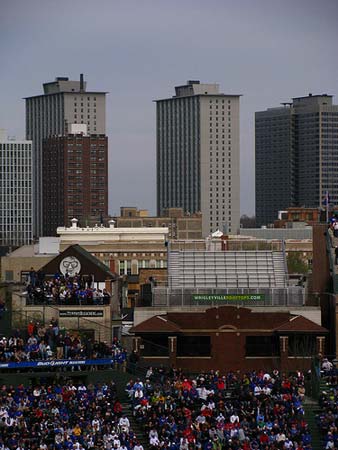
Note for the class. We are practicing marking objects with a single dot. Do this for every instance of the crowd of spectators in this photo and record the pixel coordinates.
(64, 290)
(256, 410)
(2, 307)
(41, 342)
(64, 416)
(328, 402)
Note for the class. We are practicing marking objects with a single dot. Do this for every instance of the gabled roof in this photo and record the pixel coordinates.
(92, 259)
(93, 265)
(231, 317)
(300, 323)
(156, 324)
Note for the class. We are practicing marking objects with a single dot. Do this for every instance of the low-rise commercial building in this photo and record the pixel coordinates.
(180, 225)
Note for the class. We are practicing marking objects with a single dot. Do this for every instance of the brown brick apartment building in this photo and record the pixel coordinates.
(75, 180)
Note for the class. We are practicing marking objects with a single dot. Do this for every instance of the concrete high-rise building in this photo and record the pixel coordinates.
(75, 179)
(275, 163)
(296, 156)
(15, 191)
(198, 155)
(63, 102)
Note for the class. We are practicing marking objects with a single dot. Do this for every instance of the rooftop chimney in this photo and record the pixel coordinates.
(81, 82)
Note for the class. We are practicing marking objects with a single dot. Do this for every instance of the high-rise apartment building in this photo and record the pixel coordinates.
(198, 155)
(15, 191)
(296, 156)
(62, 103)
(75, 179)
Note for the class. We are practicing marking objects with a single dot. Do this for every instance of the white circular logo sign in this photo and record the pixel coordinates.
(70, 265)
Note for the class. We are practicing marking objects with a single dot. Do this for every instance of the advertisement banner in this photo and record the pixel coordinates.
(219, 298)
(80, 313)
(62, 363)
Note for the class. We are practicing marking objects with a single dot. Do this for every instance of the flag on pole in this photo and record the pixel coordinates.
(326, 199)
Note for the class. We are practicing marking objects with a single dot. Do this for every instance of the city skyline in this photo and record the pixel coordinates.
(137, 53)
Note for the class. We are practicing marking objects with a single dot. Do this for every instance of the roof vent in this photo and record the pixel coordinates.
(74, 222)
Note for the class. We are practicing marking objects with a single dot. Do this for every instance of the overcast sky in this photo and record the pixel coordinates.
(138, 50)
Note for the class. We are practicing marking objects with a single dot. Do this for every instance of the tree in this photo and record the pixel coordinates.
(248, 222)
(296, 263)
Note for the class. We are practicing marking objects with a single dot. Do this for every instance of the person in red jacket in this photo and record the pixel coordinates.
(30, 328)
(117, 408)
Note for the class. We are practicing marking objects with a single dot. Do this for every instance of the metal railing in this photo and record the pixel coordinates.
(330, 248)
(253, 245)
(20, 320)
(41, 298)
(291, 296)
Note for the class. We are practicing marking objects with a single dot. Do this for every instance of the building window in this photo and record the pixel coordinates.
(193, 346)
(262, 346)
(302, 345)
(9, 275)
(155, 346)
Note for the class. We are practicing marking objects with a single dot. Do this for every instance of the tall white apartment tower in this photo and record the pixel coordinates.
(198, 155)
(63, 102)
(15, 191)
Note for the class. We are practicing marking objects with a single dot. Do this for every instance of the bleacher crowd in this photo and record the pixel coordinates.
(328, 418)
(257, 410)
(64, 290)
(64, 416)
(41, 342)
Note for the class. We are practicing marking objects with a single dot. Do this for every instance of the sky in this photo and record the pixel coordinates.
(139, 50)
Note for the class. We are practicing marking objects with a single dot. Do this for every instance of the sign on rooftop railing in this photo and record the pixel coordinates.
(206, 298)
(62, 363)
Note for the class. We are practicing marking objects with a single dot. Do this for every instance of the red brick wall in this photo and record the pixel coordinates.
(320, 262)
(228, 353)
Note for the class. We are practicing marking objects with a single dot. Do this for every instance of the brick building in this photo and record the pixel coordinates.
(179, 224)
(75, 180)
(229, 337)
(305, 215)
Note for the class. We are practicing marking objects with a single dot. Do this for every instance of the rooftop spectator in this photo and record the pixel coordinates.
(67, 290)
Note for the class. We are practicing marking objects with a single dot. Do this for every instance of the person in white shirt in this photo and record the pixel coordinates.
(96, 424)
(184, 444)
(234, 418)
(124, 424)
(288, 444)
(203, 393)
(280, 437)
(257, 390)
(326, 365)
(153, 433)
(138, 393)
(266, 390)
(138, 446)
(154, 441)
(116, 440)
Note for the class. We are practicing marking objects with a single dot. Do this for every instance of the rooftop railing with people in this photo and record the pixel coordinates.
(61, 289)
(49, 346)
